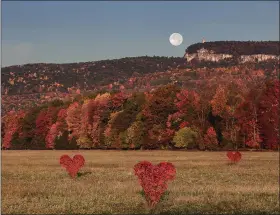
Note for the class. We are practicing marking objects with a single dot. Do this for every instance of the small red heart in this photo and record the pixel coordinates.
(72, 165)
(234, 156)
(153, 179)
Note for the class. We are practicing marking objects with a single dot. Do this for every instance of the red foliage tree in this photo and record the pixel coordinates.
(56, 129)
(62, 113)
(210, 139)
(117, 100)
(11, 125)
(174, 120)
(248, 120)
(269, 115)
(253, 134)
(193, 107)
(219, 101)
(44, 121)
(52, 134)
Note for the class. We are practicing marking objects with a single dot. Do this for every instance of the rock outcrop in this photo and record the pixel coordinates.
(230, 50)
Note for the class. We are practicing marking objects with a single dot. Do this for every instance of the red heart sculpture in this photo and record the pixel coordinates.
(234, 156)
(72, 165)
(153, 179)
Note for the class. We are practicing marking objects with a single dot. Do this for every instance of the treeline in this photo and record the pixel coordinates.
(237, 48)
(227, 115)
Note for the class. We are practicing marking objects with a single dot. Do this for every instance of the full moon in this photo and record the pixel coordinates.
(176, 39)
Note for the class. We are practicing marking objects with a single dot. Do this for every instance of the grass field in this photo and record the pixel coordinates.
(33, 182)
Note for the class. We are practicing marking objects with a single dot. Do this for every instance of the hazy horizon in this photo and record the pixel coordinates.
(70, 32)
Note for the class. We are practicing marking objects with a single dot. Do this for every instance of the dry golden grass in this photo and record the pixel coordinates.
(33, 182)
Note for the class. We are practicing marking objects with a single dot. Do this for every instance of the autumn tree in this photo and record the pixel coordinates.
(185, 137)
(111, 133)
(219, 102)
(131, 107)
(195, 105)
(224, 103)
(73, 119)
(56, 129)
(159, 105)
(84, 140)
(51, 136)
(99, 117)
(210, 139)
(135, 135)
(28, 136)
(117, 100)
(11, 126)
(248, 120)
(194, 108)
(269, 115)
(44, 120)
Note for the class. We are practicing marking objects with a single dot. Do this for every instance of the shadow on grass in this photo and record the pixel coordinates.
(232, 163)
(80, 174)
(164, 196)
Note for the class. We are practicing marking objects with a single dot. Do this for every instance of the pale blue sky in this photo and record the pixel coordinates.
(64, 32)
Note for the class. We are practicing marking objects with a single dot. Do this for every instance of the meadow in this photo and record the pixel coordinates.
(33, 182)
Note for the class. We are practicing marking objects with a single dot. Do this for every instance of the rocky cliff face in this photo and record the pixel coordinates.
(258, 58)
(242, 51)
(206, 55)
(209, 55)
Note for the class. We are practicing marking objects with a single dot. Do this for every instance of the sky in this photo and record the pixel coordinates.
(73, 31)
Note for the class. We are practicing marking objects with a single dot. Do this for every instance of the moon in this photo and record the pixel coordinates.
(176, 39)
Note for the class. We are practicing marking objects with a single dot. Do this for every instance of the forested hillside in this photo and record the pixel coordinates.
(42, 78)
(34, 84)
(31, 84)
(193, 108)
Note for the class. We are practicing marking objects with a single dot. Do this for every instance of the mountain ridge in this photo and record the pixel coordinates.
(237, 47)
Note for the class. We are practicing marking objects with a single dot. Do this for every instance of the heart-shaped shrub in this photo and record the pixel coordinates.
(234, 156)
(153, 179)
(72, 166)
